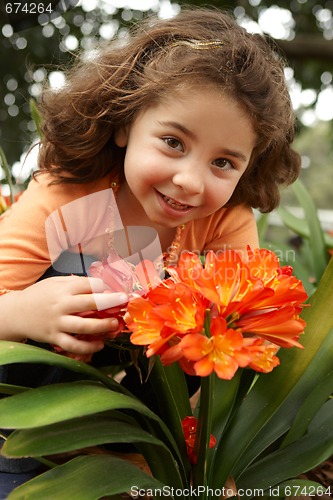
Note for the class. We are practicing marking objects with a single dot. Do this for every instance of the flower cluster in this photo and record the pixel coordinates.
(221, 315)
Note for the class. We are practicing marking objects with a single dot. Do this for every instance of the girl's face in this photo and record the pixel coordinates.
(185, 155)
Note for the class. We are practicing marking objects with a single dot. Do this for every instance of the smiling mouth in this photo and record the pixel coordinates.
(175, 204)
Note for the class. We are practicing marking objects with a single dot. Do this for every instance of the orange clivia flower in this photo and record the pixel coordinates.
(263, 356)
(169, 311)
(183, 312)
(223, 352)
(253, 306)
(190, 425)
(256, 295)
(281, 327)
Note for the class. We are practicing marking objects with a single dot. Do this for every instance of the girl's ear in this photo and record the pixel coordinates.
(121, 136)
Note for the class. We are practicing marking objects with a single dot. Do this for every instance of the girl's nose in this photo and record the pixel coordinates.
(189, 179)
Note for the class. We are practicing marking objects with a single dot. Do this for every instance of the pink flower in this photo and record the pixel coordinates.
(122, 276)
(116, 273)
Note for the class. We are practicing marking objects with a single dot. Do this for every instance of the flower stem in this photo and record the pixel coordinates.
(46, 462)
(203, 434)
(201, 446)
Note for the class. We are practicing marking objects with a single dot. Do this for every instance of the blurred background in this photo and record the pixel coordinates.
(35, 47)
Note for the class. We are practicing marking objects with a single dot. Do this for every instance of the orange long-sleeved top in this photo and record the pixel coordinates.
(72, 213)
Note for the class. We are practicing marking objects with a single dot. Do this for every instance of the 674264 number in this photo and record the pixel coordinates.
(28, 8)
(308, 491)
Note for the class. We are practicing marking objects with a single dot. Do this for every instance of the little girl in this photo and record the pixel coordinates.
(188, 122)
(179, 131)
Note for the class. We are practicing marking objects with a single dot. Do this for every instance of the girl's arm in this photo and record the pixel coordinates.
(47, 312)
(26, 248)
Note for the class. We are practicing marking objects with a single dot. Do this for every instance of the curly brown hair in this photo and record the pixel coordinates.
(106, 92)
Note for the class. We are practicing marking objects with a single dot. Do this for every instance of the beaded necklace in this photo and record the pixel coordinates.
(169, 257)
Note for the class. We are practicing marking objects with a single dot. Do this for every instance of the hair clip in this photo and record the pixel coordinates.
(199, 44)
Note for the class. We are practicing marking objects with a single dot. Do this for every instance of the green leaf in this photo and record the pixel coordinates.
(300, 456)
(4, 165)
(300, 226)
(92, 430)
(62, 402)
(284, 388)
(320, 256)
(11, 389)
(59, 402)
(224, 397)
(300, 487)
(86, 478)
(316, 398)
(171, 393)
(282, 419)
(14, 352)
(314, 229)
(262, 225)
(324, 415)
(175, 379)
(173, 404)
(36, 116)
(297, 225)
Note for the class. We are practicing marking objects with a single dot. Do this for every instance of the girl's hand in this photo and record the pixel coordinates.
(47, 312)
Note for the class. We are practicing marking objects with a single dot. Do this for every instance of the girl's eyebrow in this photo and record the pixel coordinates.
(178, 126)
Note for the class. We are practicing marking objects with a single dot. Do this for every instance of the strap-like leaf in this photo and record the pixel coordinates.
(315, 231)
(87, 478)
(313, 402)
(300, 226)
(75, 434)
(300, 456)
(12, 389)
(14, 352)
(6, 169)
(62, 402)
(59, 402)
(320, 256)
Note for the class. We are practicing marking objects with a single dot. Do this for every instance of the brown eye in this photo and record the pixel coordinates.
(223, 164)
(173, 143)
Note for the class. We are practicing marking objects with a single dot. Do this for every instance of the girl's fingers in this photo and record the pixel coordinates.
(79, 284)
(107, 300)
(88, 326)
(76, 346)
(95, 302)
(87, 294)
